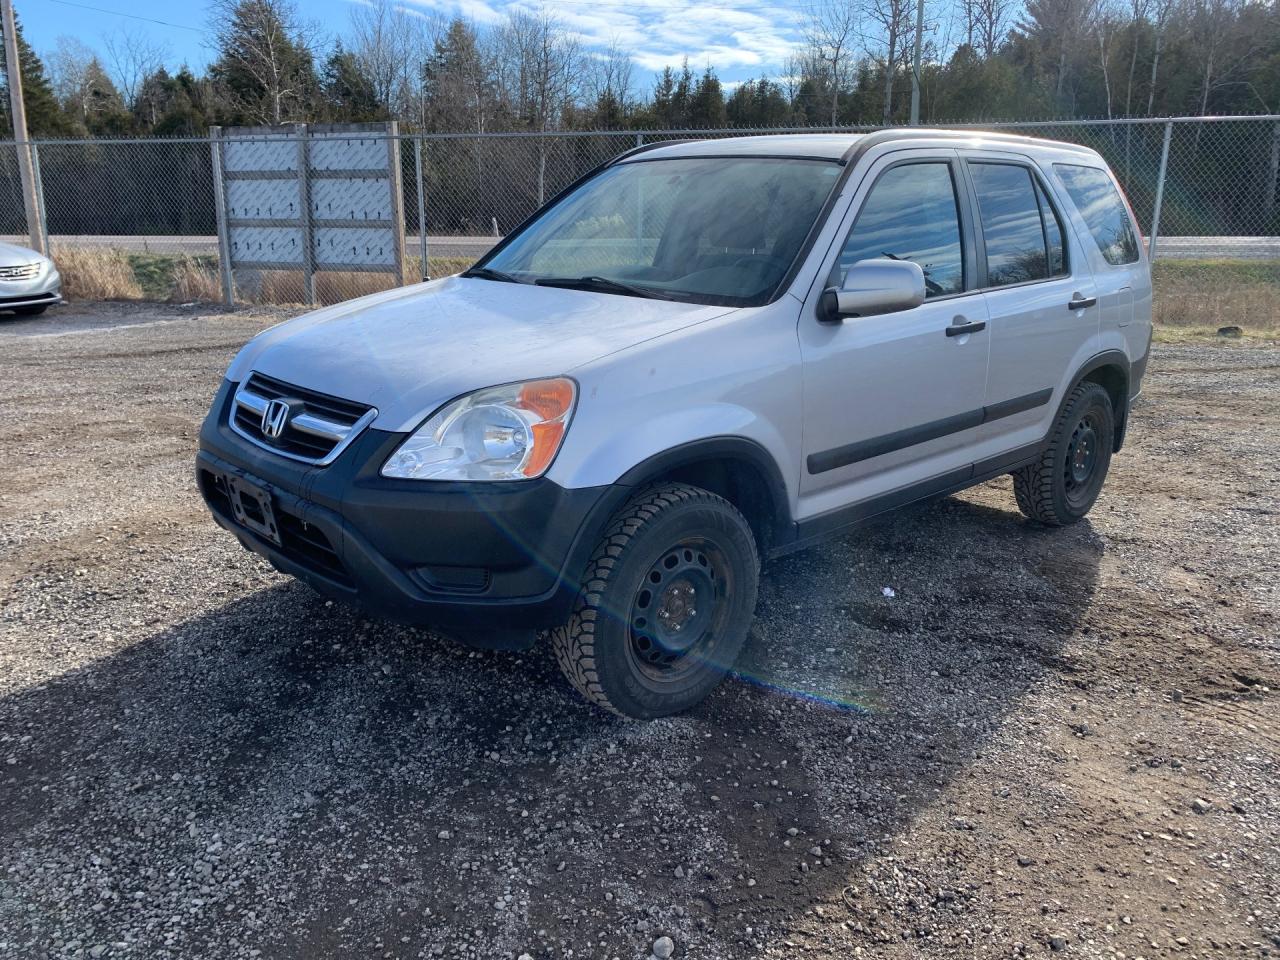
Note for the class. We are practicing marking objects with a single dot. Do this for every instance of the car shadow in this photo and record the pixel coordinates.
(280, 774)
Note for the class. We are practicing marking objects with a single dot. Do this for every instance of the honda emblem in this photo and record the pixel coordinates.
(274, 419)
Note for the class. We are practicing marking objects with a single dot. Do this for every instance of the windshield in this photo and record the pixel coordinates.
(720, 230)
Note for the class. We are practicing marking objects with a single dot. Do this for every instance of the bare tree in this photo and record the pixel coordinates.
(1162, 15)
(1106, 24)
(392, 43)
(831, 32)
(1221, 41)
(1137, 12)
(1060, 27)
(986, 23)
(892, 46)
(540, 67)
(132, 57)
(69, 68)
(609, 77)
(792, 70)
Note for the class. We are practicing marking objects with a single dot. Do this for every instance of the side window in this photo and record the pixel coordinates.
(1053, 236)
(910, 214)
(1099, 203)
(1016, 238)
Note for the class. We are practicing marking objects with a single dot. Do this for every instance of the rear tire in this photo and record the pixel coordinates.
(665, 606)
(1062, 486)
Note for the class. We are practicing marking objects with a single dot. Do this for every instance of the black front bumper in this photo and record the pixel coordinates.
(489, 563)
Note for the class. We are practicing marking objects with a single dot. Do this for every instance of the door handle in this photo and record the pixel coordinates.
(1078, 302)
(960, 329)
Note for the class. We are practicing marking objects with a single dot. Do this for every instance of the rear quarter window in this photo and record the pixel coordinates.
(1103, 210)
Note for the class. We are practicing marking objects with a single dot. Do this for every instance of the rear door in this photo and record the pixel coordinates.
(895, 399)
(1040, 294)
(1115, 253)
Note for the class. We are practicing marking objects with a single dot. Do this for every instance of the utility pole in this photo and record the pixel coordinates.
(915, 68)
(26, 165)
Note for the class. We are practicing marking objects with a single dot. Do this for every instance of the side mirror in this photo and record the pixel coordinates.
(872, 287)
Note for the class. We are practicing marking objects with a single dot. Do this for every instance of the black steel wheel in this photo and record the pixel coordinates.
(680, 609)
(665, 605)
(1062, 486)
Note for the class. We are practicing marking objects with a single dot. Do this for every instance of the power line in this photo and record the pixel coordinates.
(131, 16)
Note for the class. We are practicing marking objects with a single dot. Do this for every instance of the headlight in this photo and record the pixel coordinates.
(502, 433)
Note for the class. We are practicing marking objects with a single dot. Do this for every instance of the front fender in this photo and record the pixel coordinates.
(621, 456)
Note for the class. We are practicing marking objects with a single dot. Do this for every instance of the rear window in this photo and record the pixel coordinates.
(1098, 201)
(1019, 227)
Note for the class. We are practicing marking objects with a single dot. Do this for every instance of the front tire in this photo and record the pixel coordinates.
(31, 311)
(665, 605)
(1061, 487)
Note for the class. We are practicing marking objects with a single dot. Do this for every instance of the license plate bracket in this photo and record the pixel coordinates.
(251, 505)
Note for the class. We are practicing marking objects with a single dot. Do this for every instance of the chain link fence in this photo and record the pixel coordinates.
(136, 219)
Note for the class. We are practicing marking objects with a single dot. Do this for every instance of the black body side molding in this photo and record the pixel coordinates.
(850, 453)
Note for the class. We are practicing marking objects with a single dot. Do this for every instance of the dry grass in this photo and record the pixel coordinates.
(280, 287)
(1196, 334)
(97, 274)
(440, 266)
(195, 280)
(1207, 294)
(107, 274)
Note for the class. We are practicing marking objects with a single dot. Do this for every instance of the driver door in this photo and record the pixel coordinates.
(893, 402)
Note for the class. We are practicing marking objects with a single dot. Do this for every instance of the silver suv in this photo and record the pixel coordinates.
(700, 355)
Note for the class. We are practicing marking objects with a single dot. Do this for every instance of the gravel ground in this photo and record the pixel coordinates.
(1046, 741)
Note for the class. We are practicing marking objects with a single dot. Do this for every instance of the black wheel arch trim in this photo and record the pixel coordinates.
(1109, 358)
(717, 449)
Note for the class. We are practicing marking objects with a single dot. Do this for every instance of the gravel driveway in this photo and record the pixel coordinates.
(1045, 741)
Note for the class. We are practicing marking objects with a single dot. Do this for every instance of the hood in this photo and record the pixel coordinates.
(12, 255)
(410, 350)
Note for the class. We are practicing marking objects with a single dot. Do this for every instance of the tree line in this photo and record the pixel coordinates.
(981, 60)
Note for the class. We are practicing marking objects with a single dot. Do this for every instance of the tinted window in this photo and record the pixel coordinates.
(1011, 224)
(1052, 234)
(708, 230)
(910, 214)
(1099, 203)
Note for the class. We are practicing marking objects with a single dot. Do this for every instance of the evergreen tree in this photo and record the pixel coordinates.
(264, 70)
(662, 111)
(349, 96)
(758, 103)
(173, 106)
(45, 117)
(458, 82)
(706, 106)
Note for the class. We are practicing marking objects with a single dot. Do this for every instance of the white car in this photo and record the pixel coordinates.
(29, 282)
(704, 354)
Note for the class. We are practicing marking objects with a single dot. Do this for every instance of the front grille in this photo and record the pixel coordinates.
(315, 428)
(26, 271)
(29, 298)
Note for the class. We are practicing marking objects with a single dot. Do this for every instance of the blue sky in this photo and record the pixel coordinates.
(741, 38)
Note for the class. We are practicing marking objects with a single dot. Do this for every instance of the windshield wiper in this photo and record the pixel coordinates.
(488, 273)
(605, 285)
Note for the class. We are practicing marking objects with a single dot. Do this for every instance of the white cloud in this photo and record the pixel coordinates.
(476, 10)
(734, 36)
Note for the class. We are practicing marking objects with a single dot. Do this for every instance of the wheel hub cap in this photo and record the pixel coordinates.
(675, 609)
(1082, 454)
(678, 605)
